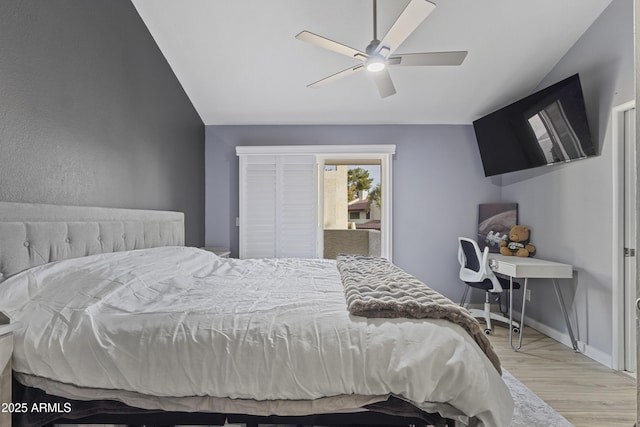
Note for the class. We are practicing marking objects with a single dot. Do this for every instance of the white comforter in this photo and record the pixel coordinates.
(179, 321)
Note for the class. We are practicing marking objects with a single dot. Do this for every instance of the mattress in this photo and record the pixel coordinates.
(177, 323)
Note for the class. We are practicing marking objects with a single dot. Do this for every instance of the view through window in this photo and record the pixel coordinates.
(352, 209)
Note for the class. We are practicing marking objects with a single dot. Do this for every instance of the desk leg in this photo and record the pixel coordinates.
(564, 313)
(511, 312)
(524, 301)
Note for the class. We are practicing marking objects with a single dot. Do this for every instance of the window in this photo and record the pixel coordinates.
(281, 197)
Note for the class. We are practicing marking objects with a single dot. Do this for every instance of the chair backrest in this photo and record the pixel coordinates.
(471, 254)
(474, 264)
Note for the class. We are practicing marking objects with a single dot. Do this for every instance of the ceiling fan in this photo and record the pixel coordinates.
(378, 55)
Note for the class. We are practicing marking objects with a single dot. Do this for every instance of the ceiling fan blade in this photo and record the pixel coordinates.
(429, 58)
(384, 83)
(326, 43)
(415, 12)
(337, 76)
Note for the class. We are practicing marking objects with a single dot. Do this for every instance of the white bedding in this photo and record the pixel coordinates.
(180, 322)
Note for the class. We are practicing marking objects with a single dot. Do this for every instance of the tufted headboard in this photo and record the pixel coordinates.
(34, 234)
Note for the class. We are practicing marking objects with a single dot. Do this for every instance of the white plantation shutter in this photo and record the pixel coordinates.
(297, 207)
(278, 206)
(258, 219)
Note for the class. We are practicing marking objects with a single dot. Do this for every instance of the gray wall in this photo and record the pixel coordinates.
(91, 113)
(437, 185)
(570, 207)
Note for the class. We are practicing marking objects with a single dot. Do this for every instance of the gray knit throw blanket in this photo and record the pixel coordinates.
(376, 288)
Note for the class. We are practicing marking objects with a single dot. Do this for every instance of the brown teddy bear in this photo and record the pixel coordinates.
(518, 242)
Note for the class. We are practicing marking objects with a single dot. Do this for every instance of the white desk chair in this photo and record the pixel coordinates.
(475, 272)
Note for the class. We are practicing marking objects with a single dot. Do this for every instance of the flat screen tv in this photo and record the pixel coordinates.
(545, 128)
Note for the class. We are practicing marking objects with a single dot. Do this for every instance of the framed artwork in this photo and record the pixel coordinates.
(494, 222)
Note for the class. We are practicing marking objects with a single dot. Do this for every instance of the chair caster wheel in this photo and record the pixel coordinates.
(487, 331)
(516, 330)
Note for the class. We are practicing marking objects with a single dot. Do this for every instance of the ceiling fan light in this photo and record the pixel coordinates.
(375, 64)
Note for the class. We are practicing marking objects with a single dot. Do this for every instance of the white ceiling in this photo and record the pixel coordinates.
(239, 62)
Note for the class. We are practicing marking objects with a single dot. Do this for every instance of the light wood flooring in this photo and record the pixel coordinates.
(585, 392)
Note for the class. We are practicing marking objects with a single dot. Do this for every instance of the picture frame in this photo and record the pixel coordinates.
(494, 222)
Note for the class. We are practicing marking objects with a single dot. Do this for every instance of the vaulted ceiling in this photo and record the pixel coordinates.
(239, 61)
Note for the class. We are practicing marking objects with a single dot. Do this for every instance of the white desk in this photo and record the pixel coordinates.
(529, 268)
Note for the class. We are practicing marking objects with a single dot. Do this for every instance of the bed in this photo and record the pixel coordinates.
(120, 322)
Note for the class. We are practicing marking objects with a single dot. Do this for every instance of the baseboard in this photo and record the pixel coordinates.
(562, 337)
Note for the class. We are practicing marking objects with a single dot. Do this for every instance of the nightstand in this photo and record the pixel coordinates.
(6, 349)
(218, 250)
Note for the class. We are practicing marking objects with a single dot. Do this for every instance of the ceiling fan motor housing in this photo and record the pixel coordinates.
(373, 46)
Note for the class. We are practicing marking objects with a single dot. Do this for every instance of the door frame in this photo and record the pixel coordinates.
(382, 152)
(618, 312)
